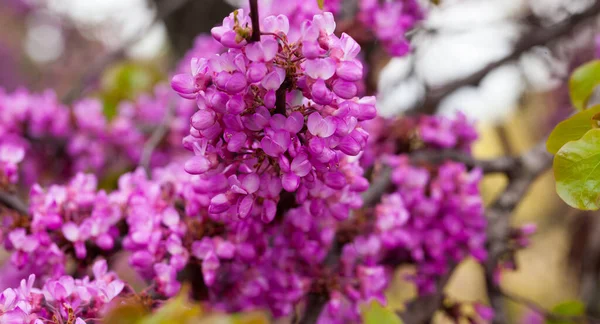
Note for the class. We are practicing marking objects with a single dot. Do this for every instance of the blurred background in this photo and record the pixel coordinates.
(125, 47)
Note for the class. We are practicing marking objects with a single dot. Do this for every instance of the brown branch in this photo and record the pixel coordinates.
(422, 309)
(501, 164)
(157, 136)
(536, 37)
(548, 315)
(13, 202)
(382, 183)
(89, 78)
(255, 21)
(529, 167)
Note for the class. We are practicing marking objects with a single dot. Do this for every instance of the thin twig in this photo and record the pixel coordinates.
(255, 21)
(92, 74)
(383, 182)
(501, 164)
(546, 313)
(536, 37)
(13, 202)
(155, 139)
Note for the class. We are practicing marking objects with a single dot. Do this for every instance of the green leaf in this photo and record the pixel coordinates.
(577, 171)
(377, 314)
(571, 129)
(321, 3)
(128, 312)
(568, 308)
(176, 310)
(582, 83)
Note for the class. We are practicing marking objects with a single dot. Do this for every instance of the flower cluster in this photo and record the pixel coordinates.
(438, 219)
(62, 300)
(297, 12)
(268, 210)
(44, 136)
(11, 154)
(390, 20)
(276, 115)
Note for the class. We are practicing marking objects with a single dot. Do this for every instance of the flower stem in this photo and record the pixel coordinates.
(255, 21)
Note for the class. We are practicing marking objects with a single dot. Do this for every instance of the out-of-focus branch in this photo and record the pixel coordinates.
(157, 136)
(422, 309)
(383, 182)
(548, 315)
(192, 19)
(503, 164)
(529, 166)
(13, 202)
(91, 76)
(541, 35)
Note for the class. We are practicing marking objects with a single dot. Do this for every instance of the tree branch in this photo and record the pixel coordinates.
(529, 166)
(92, 74)
(13, 202)
(501, 164)
(536, 37)
(548, 315)
(157, 135)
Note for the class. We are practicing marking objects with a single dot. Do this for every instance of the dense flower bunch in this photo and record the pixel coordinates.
(439, 219)
(297, 12)
(62, 300)
(267, 212)
(278, 115)
(390, 20)
(35, 127)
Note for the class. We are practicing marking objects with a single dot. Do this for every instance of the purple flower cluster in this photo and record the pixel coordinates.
(36, 129)
(437, 218)
(61, 300)
(446, 133)
(11, 154)
(278, 115)
(389, 20)
(297, 12)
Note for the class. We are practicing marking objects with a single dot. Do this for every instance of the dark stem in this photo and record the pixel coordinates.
(527, 168)
(255, 21)
(280, 98)
(13, 202)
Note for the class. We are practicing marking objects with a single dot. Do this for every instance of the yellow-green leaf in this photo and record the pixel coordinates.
(374, 313)
(569, 308)
(321, 3)
(571, 129)
(582, 83)
(177, 310)
(577, 171)
(128, 312)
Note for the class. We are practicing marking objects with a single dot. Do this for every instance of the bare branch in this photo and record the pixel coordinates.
(92, 75)
(13, 202)
(497, 165)
(529, 167)
(536, 37)
(546, 313)
(155, 139)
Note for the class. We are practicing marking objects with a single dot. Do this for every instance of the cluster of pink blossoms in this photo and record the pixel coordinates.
(278, 115)
(281, 141)
(390, 20)
(61, 300)
(36, 129)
